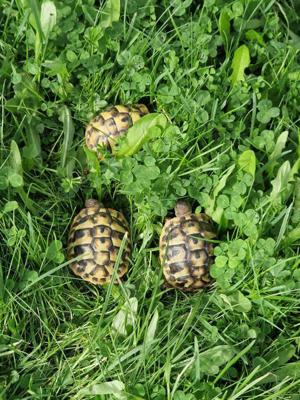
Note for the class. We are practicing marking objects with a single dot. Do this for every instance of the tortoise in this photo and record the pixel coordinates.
(186, 252)
(106, 127)
(96, 233)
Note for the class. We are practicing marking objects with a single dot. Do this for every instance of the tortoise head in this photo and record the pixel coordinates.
(182, 208)
(92, 203)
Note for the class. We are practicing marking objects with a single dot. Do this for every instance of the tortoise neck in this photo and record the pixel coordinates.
(92, 203)
(182, 208)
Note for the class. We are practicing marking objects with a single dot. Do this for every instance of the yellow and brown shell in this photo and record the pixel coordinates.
(96, 235)
(186, 252)
(106, 127)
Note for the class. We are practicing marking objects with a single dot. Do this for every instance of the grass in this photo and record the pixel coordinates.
(232, 147)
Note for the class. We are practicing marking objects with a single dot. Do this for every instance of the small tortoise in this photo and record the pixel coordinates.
(96, 233)
(185, 250)
(106, 127)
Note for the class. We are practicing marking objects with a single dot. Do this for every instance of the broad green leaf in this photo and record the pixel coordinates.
(292, 236)
(26, 200)
(247, 162)
(54, 252)
(220, 186)
(280, 183)
(294, 76)
(71, 56)
(27, 93)
(3, 181)
(150, 334)
(38, 47)
(56, 67)
(15, 159)
(15, 180)
(265, 115)
(295, 169)
(290, 370)
(110, 387)
(217, 216)
(223, 181)
(33, 149)
(33, 242)
(35, 17)
(29, 278)
(283, 353)
(110, 13)
(255, 37)
(94, 170)
(233, 360)
(15, 175)
(125, 317)
(237, 8)
(180, 395)
(69, 130)
(221, 261)
(241, 60)
(277, 152)
(148, 127)
(179, 6)
(224, 25)
(48, 16)
(279, 146)
(210, 360)
(146, 173)
(10, 206)
(66, 377)
(239, 302)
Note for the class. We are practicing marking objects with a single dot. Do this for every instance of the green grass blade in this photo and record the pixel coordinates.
(68, 128)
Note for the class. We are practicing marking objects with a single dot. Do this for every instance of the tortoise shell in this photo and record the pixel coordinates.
(106, 127)
(185, 250)
(96, 234)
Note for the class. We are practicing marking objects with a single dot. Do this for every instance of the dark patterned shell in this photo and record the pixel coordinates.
(96, 233)
(106, 127)
(186, 252)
